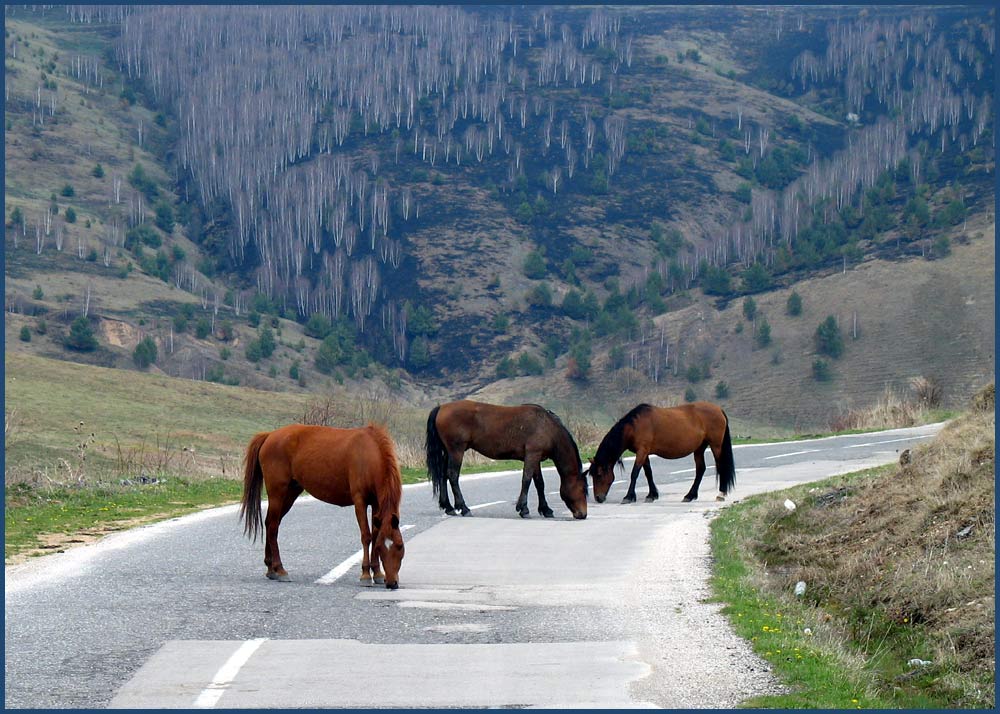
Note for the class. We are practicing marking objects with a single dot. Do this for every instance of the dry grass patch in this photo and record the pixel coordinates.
(902, 562)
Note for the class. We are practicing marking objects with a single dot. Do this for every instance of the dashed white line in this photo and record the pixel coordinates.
(227, 673)
(339, 571)
(484, 505)
(889, 441)
(791, 453)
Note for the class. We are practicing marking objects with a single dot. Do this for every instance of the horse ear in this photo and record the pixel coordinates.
(376, 523)
(395, 522)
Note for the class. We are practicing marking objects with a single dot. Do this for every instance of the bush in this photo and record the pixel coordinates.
(690, 395)
(68, 191)
(318, 326)
(70, 215)
(420, 353)
(794, 305)
(98, 171)
(721, 390)
(142, 234)
(716, 281)
(749, 308)
(38, 294)
(42, 327)
(534, 265)
(529, 365)
(506, 368)
(202, 328)
(829, 340)
(763, 332)
(293, 371)
(165, 217)
(694, 374)
(144, 353)
(821, 370)
(25, 334)
(267, 343)
(539, 296)
(81, 336)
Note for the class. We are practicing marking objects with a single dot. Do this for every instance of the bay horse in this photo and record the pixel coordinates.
(345, 467)
(528, 433)
(671, 433)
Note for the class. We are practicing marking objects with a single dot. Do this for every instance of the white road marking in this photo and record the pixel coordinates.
(209, 696)
(890, 441)
(339, 571)
(683, 471)
(484, 505)
(792, 453)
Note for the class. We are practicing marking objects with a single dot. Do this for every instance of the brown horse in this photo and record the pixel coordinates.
(671, 433)
(344, 467)
(528, 433)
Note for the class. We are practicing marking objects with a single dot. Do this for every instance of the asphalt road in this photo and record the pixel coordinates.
(491, 611)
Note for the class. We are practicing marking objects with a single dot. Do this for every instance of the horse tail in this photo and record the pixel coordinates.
(437, 458)
(392, 492)
(253, 477)
(725, 467)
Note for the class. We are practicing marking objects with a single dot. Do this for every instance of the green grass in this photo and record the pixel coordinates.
(30, 513)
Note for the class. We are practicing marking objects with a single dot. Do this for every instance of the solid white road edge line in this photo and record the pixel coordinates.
(793, 453)
(339, 571)
(209, 696)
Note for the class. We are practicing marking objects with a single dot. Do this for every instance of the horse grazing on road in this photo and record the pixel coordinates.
(344, 467)
(671, 433)
(528, 433)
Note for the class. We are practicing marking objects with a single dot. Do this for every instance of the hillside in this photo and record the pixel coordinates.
(506, 201)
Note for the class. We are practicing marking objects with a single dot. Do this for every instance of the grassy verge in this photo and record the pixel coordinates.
(898, 565)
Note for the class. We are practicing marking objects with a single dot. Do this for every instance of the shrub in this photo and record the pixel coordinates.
(420, 352)
(749, 308)
(293, 371)
(540, 296)
(70, 215)
(98, 171)
(829, 340)
(81, 336)
(694, 374)
(534, 265)
(794, 305)
(38, 294)
(821, 370)
(690, 395)
(267, 343)
(202, 328)
(763, 332)
(721, 390)
(68, 191)
(318, 326)
(42, 327)
(25, 334)
(506, 368)
(165, 217)
(529, 364)
(144, 353)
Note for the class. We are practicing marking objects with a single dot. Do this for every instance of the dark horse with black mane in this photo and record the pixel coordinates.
(345, 467)
(528, 433)
(670, 433)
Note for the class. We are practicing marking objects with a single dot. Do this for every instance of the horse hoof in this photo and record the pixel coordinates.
(466, 512)
(365, 582)
(280, 577)
(650, 499)
(720, 498)
(379, 579)
(525, 514)
(627, 500)
(548, 514)
(688, 499)
(449, 511)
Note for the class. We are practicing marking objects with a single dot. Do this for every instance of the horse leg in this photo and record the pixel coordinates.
(653, 493)
(543, 505)
(640, 459)
(361, 512)
(272, 558)
(454, 466)
(531, 462)
(717, 454)
(699, 471)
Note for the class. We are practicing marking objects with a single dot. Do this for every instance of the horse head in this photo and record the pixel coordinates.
(389, 546)
(573, 492)
(603, 475)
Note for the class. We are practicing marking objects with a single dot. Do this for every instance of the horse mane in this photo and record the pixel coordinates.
(569, 435)
(611, 446)
(391, 492)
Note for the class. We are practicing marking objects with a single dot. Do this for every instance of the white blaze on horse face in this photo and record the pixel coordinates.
(387, 543)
